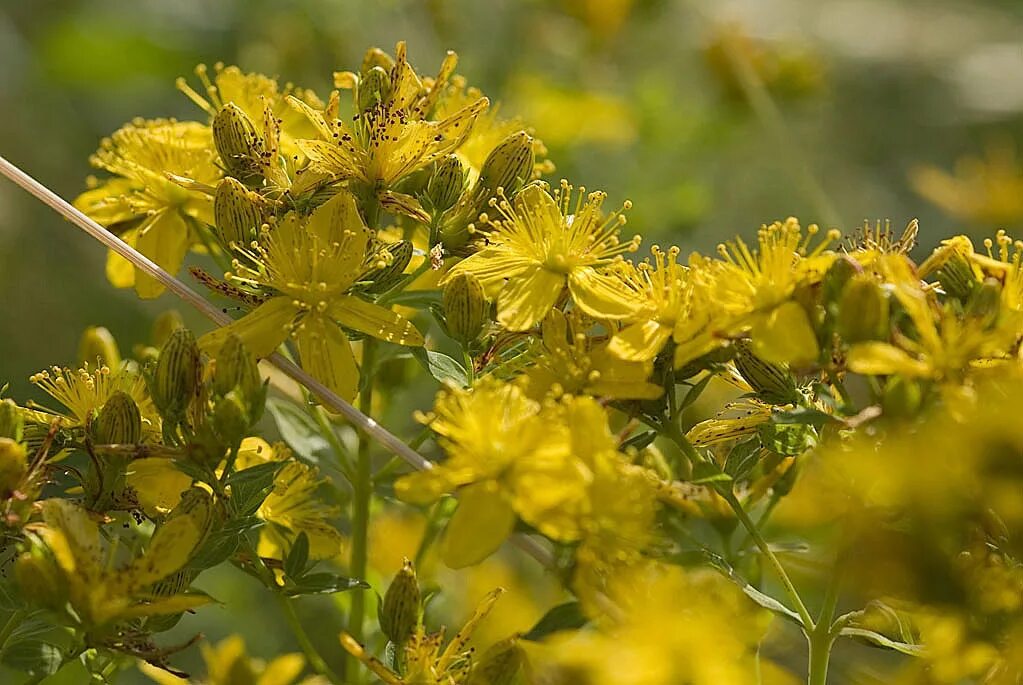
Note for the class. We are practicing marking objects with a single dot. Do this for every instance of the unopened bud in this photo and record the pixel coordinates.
(862, 311)
(956, 273)
(119, 421)
(386, 277)
(500, 664)
(239, 145)
(177, 373)
(376, 58)
(446, 183)
(399, 614)
(772, 382)
(902, 397)
(236, 368)
(841, 270)
(12, 423)
(165, 324)
(13, 466)
(236, 213)
(373, 88)
(984, 304)
(465, 307)
(508, 166)
(97, 346)
(230, 419)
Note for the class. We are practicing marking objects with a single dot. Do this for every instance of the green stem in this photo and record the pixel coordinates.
(820, 641)
(316, 661)
(362, 487)
(470, 367)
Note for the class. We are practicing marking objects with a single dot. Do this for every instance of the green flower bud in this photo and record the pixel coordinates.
(97, 343)
(12, 423)
(373, 88)
(399, 614)
(902, 397)
(236, 368)
(508, 166)
(237, 213)
(119, 421)
(446, 184)
(177, 374)
(957, 277)
(500, 664)
(984, 304)
(465, 307)
(13, 466)
(165, 324)
(841, 270)
(238, 143)
(230, 419)
(386, 277)
(862, 311)
(772, 382)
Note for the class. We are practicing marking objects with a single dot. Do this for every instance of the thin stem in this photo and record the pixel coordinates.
(470, 367)
(363, 490)
(315, 660)
(340, 453)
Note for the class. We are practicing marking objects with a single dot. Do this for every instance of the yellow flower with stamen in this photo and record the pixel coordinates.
(158, 213)
(309, 266)
(539, 244)
(84, 391)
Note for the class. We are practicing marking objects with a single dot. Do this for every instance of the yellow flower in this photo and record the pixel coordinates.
(985, 191)
(159, 214)
(309, 267)
(291, 508)
(98, 590)
(392, 136)
(84, 391)
(738, 420)
(541, 243)
(428, 661)
(569, 361)
(228, 664)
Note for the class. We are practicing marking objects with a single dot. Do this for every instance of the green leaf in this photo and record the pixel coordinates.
(788, 439)
(325, 583)
(709, 473)
(222, 543)
(442, 367)
(299, 430)
(420, 299)
(640, 440)
(763, 600)
(694, 392)
(251, 486)
(742, 458)
(298, 557)
(813, 417)
(567, 616)
(879, 640)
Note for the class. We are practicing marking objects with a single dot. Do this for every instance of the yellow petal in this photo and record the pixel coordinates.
(170, 549)
(283, 670)
(883, 359)
(492, 267)
(165, 605)
(640, 341)
(261, 331)
(600, 295)
(121, 272)
(329, 158)
(327, 355)
(784, 336)
(164, 240)
(157, 483)
(527, 298)
(483, 520)
(372, 319)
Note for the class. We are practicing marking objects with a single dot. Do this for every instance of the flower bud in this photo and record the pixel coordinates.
(373, 88)
(500, 664)
(97, 346)
(236, 213)
(902, 397)
(11, 421)
(446, 183)
(119, 421)
(957, 276)
(841, 270)
(177, 374)
(13, 466)
(508, 166)
(230, 419)
(399, 614)
(862, 311)
(465, 307)
(772, 382)
(386, 277)
(236, 368)
(984, 304)
(239, 145)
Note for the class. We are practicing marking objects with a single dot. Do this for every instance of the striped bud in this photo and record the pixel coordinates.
(399, 614)
(465, 307)
(984, 304)
(236, 368)
(957, 277)
(386, 277)
(13, 466)
(239, 145)
(771, 381)
(97, 346)
(177, 374)
(231, 419)
(11, 421)
(508, 166)
(500, 664)
(862, 311)
(119, 421)
(446, 183)
(236, 213)
(374, 88)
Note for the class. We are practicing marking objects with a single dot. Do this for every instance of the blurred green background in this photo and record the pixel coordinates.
(713, 117)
